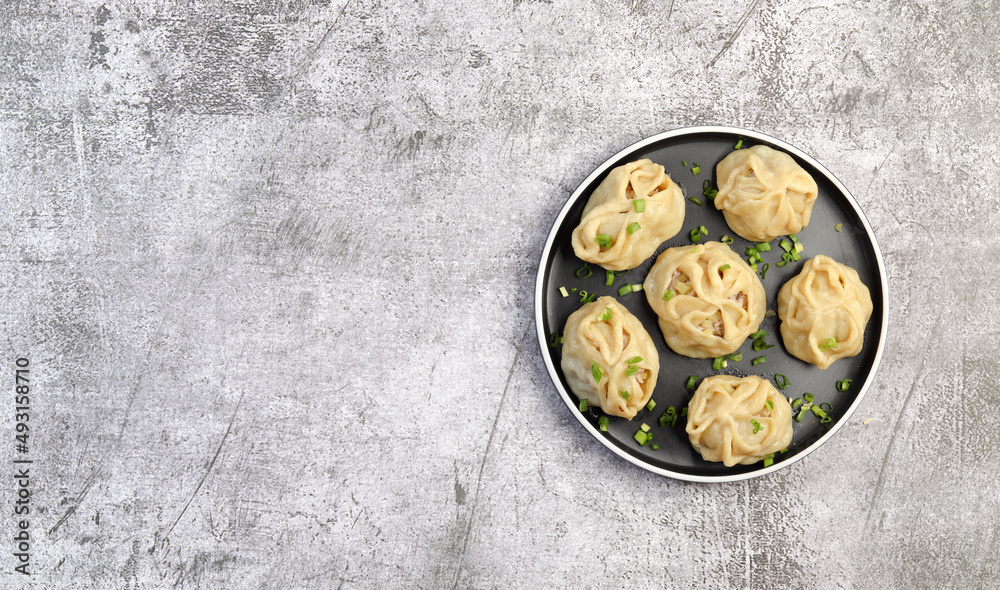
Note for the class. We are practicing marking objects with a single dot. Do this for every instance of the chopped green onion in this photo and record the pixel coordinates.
(684, 412)
(625, 290)
(844, 384)
(696, 169)
(726, 240)
(793, 237)
(651, 405)
(602, 423)
(584, 405)
(785, 245)
(780, 380)
(828, 344)
(799, 247)
(739, 144)
(607, 315)
(633, 227)
(756, 426)
(669, 417)
(736, 356)
(719, 363)
(589, 298)
(795, 256)
(707, 190)
(695, 200)
(563, 292)
(625, 395)
(642, 437)
(634, 360)
(759, 345)
(802, 412)
(683, 163)
(769, 460)
(555, 339)
(750, 251)
(758, 334)
(785, 259)
(585, 269)
(584, 296)
(691, 382)
(826, 406)
(609, 278)
(636, 287)
(639, 205)
(644, 427)
(758, 360)
(808, 397)
(763, 247)
(820, 413)
(796, 403)
(668, 294)
(769, 404)
(655, 447)
(763, 269)
(596, 371)
(839, 226)
(631, 371)
(695, 235)
(603, 240)
(724, 267)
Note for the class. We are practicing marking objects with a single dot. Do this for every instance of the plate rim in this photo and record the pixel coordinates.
(540, 287)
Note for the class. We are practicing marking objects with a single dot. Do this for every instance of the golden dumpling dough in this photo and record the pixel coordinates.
(608, 358)
(707, 298)
(730, 420)
(603, 234)
(764, 193)
(823, 312)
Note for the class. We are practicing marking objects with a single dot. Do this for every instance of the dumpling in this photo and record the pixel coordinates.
(823, 312)
(764, 193)
(707, 298)
(608, 358)
(634, 210)
(738, 420)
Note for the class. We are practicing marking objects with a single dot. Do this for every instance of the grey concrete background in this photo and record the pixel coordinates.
(272, 264)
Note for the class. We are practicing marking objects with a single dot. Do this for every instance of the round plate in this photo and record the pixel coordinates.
(854, 245)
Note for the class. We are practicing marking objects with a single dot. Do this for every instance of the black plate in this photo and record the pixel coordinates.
(854, 246)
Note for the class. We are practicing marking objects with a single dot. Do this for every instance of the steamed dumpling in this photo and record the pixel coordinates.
(725, 412)
(608, 358)
(606, 234)
(823, 312)
(764, 193)
(707, 298)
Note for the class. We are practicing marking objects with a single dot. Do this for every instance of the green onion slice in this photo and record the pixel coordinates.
(651, 405)
(596, 371)
(625, 290)
(692, 382)
(724, 267)
(808, 397)
(584, 405)
(634, 360)
(758, 360)
(695, 235)
(563, 292)
(780, 380)
(603, 240)
(739, 144)
(631, 371)
(769, 404)
(828, 344)
(633, 227)
(726, 240)
(839, 226)
(609, 278)
(769, 460)
(668, 294)
(696, 169)
(793, 238)
(736, 356)
(584, 272)
(763, 269)
(844, 384)
(763, 247)
(756, 426)
(625, 395)
(695, 200)
(718, 363)
(607, 315)
(602, 423)
(639, 205)
(758, 334)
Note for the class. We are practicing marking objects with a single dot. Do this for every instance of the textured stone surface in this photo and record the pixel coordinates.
(272, 262)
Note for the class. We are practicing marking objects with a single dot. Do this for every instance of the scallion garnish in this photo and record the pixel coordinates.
(609, 278)
(603, 240)
(736, 356)
(651, 405)
(839, 226)
(808, 397)
(719, 363)
(584, 272)
(794, 238)
(639, 205)
(633, 227)
(796, 403)
(756, 426)
(695, 200)
(634, 360)
(606, 315)
(669, 417)
(707, 190)
(655, 447)
(780, 380)
(668, 294)
(555, 339)
(828, 344)
(636, 287)
(724, 267)
(758, 360)
(826, 406)
(642, 437)
(739, 144)
(726, 240)
(584, 405)
(769, 404)
(844, 384)
(696, 168)
(631, 371)
(625, 395)
(758, 334)
(692, 382)
(769, 460)
(625, 290)
(563, 292)
(602, 423)
(785, 245)
(683, 163)
(795, 255)
(763, 269)
(763, 247)
(695, 235)
(684, 412)
(644, 427)
(596, 372)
